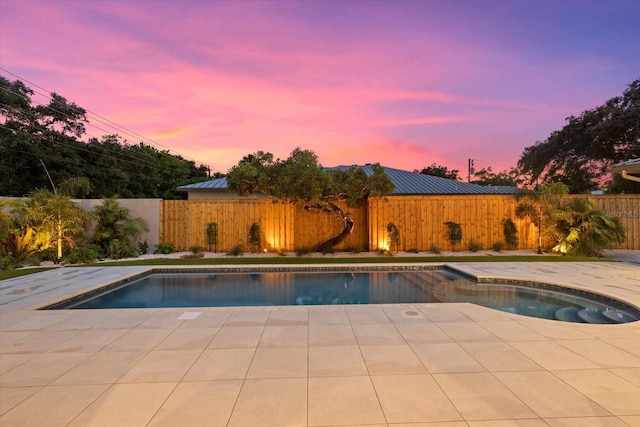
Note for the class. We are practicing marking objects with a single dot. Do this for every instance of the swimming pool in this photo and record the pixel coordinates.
(318, 286)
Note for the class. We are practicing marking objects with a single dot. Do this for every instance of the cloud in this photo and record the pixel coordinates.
(404, 85)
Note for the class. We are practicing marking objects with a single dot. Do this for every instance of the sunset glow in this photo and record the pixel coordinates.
(405, 83)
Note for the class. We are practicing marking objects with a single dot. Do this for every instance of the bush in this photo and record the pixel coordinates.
(327, 249)
(413, 250)
(196, 249)
(164, 248)
(455, 232)
(510, 233)
(119, 250)
(7, 263)
(143, 247)
(303, 251)
(498, 246)
(254, 237)
(48, 255)
(192, 255)
(434, 248)
(212, 236)
(82, 255)
(236, 251)
(474, 247)
(394, 235)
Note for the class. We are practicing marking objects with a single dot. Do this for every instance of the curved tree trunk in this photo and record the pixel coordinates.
(346, 232)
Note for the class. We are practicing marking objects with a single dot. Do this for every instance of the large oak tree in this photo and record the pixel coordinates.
(580, 153)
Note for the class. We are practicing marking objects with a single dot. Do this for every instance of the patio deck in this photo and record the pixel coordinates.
(379, 365)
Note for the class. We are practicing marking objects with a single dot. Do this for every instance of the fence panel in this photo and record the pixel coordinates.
(420, 219)
(313, 227)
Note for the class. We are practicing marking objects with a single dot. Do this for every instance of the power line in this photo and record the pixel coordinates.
(141, 159)
(59, 112)
(101, 119)
(135, 162)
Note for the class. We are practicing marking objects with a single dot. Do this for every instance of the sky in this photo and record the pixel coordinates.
(405, 83)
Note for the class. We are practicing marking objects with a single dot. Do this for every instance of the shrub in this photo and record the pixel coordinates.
(454, 232)
(413, 250)
(303, 251)
(327, 249)
(510, 233)
(143, 247)
(434, 248)
(164, 248)
(394, 235)
(254, 237)
(498, 246)
(119, 250)
(212, 236)
(474, 246)
(82, 255)
(236, 251)
(114, 223)
(193, 255)
(196, 249)
(7, 263)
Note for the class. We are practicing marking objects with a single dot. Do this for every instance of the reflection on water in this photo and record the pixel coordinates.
(558, 304)
(361, 287)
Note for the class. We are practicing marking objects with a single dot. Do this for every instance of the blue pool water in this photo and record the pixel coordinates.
(223, 289)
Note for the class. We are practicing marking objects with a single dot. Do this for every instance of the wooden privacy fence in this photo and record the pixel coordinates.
(420, 220)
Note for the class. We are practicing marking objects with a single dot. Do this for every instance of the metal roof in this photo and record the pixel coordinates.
(631, 166)
(212, 184)
(406, 183)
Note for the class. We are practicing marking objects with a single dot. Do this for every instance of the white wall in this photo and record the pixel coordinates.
(149, 209)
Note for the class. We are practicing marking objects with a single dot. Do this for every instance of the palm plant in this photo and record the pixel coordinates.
(114, 223)
(539, 204)
(579, 229)
(55, 218)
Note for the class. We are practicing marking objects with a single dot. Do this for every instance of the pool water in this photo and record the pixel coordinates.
(281, 288)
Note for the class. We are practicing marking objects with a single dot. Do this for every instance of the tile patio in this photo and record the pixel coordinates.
(445, 365)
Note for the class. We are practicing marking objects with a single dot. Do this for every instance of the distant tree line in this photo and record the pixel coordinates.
(36, 139)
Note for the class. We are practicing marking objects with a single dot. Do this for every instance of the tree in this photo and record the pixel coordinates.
(31, 133)
(580, 153)
(486, 176)
(299, 179)
(52, 133)
(538, 205)
(580, 229)
(440, 171)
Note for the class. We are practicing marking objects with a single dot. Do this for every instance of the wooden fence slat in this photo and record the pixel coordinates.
(420, 219)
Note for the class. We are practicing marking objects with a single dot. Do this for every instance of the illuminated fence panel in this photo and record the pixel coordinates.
(420, 220)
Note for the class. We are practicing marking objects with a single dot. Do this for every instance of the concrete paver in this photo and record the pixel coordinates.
(385, 365)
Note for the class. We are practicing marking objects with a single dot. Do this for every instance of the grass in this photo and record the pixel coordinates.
(7, 274)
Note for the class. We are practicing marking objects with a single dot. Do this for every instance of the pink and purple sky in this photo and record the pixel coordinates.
(405, 83)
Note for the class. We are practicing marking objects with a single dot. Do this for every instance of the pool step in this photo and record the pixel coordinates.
(590, 315)
(569, 314)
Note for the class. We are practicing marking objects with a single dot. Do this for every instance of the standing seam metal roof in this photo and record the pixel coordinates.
(406, 183)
